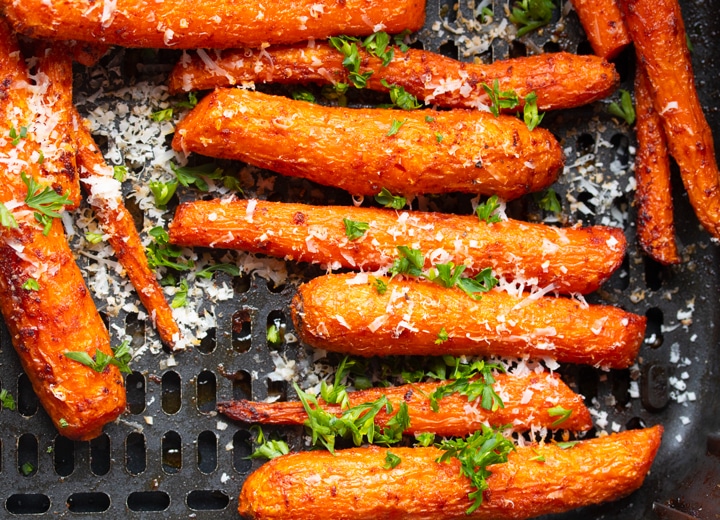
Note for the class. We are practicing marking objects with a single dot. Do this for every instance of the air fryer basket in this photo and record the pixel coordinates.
(171, 456)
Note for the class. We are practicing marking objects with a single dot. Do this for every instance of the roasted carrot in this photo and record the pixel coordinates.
(220, 24)
(604, 26)
(560, 80)
(343, 314)
(526, 401)
(43, 298)
(535, 480)
(658, 31)
(572, 259)
(86, 53)
(366, 150)
(653, 196)
(116, 222)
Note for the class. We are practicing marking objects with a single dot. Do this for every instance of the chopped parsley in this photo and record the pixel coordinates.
(161, 253)
(378, 45)
(347, 46)
(548, 201)
(439, 137)
(303, 94)
(31, 284)
(410, 263)
(391, 460)
(380, 285)
(27, 468)
(488, 210)
(45, 201)
(442, 337)
(566, 445)
(425, 439)
(336, 393)
(198, 175)
(7, 400)
(354, 229)
(17, 136)
(273, 335)
(389, 200)
(120, 357)
(120, 172)
(625, 110)
(558, 411)
(500, 100)
(180, 298)
(208, 271)
(530, 15)
(531, 116)
(63, 422)
(6, 218)
(475, 453)
(163, 192)
(162, 115)
(268, 449)
(93, 238)
(395, 127)
(190, 103)
(401, 98)
(474, 381)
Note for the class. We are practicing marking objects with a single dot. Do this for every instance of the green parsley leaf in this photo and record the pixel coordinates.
(548, 201)
(391, 460)
(389, 200)
(208, 271)
(538, 457)
(395, 127)
(27, 468)
(336, 393)
(625, 110)
(268, 449)
(347, 45)
(425, 439)
(63, 423)
(120, 357)
(399, 40)
(6, 218)
(411, 262)
(190, 103)
(485, 14)
(442, 336)
(197, 175)
(689, 43)
(273, 335)
(531, 115)
(380, 285)
(481, 283)
(17, 136)
(119, 172)
(439, 137)
(474, 381)
(94, 238)
(45, 201)
(529, 15)
(400, 98)
(303, 94)
(7, 400)
(161, 253)
(377, 44)
(163, 192)
(354, 229)
(429, 119)
(475, 453)
(566, 445)
(31, 284)
(180, 298)
(446, 275)
(487, 211)
(559, 411)
(500, 99)
(162, 115)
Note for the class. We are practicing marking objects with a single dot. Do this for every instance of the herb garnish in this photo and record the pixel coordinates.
(336, 393)
(119, 172)
(17, 136)
(347, 45)
(425, 439)
(488, 210)
(548, 201)
(442, 336)
(355, 229)
(45, 201)
(120, 357)
(31, 284)
(161, 253)
(303, 94)
(162, 115)
(474, 381)
(389, 200)
(7, 400)
(558, 411)
(180, 298)
(27, 468)
(391, 461)
(625, 110)
(273, 335)
(475, 453)
(163, 192)
(198, 175)
(531, 116)
(529, 15)
(395, 127)
(268, 449)
(208, 271)
(93, 238)
(400, 97)
(499, 100)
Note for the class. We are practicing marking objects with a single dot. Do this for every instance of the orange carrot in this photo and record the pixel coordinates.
(365, 150)
(571, 259)
(526, 401)
(340, 313)
(560, 80)
(604, 26)
(658, 31)
(185, 24)
(653, 197)
(536, 480)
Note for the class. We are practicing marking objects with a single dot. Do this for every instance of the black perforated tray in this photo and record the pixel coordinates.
(190, 463)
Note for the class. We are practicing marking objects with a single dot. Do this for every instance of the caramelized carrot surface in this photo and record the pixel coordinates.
(337, 313)
(604, 26)
(571, 259)
(186, 24)
(536, 480)
(560, 80)
(653, 196)
(365, 150)
(105, 197)
(658, 31)
(526, 401)
(43, 298)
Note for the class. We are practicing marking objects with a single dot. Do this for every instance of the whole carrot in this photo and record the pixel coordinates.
(658, 31)
(560, 80)
(536, 480)
(653, 196)
(572, 259)
(528, 400)
(604, 26)
(186, 24)
(365, 150)
(343, 314)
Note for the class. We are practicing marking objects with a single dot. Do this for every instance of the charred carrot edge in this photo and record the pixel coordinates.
(116, 222)
(571, 259)
(653, 196)
(560, 80)
(658, 31)
(58, 168)
(353, 483)
(185, 24)
(343, 314)
(604, 26)
(59, 316)
(526, 401)
(365, 150)
(86, 53)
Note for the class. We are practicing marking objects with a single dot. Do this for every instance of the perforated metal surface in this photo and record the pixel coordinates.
(171, 454)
